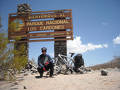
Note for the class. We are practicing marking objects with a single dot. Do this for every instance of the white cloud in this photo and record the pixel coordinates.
(116, 40)
(77, 46)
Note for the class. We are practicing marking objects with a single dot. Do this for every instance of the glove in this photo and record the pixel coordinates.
(44, 69)
(46, 63)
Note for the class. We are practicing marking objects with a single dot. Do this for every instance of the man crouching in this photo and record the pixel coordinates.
(45, 63)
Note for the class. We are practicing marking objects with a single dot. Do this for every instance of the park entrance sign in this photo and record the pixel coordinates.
(41, 25)
(52, 25)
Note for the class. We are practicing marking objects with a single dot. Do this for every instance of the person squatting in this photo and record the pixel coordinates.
(45, 63)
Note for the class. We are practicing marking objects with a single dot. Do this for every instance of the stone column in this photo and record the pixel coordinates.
(23, 10)
(60, 47)
(18, 44)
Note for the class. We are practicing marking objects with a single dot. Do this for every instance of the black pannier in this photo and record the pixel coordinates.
(78, 61)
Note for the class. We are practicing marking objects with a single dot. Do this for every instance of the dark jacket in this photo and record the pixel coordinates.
(42, 59)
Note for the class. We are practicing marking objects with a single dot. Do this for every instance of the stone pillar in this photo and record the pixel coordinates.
(60, 47)
(23, 10)
(18, 44)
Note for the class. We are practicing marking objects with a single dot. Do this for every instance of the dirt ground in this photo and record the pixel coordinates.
(89, 81)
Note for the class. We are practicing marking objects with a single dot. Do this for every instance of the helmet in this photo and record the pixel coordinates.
(44, 49)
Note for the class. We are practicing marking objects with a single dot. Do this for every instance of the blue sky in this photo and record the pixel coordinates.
(96, 26)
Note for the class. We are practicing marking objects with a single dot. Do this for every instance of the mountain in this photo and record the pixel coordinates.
(111, 64)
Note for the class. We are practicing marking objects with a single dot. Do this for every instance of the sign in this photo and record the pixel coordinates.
(50, 15)
(16, 24)
(49, 34)
(51, 24)
(51, 27)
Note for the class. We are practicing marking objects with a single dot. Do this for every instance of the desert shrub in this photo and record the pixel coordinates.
(12, 60)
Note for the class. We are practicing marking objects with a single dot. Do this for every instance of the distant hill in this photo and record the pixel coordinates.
(112, 64)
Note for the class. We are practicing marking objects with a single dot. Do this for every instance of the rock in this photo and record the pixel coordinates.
(16, 83)
(21, 8)
(104, 73)
(25, 74)
(81, 71)
(34, 71)
(24, 87)
(88, 70)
